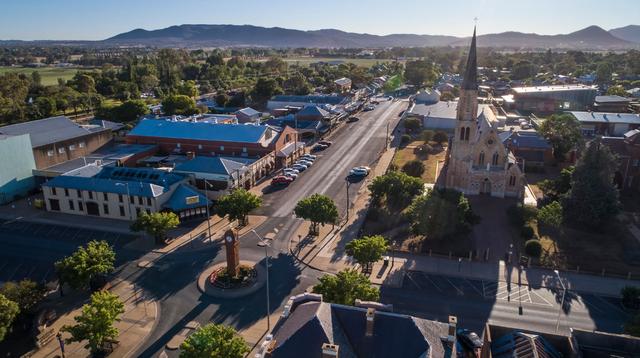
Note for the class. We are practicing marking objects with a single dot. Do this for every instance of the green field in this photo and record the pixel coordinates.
(306, 61)
(49, 75)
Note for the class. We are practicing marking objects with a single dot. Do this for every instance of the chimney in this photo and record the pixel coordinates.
(453, 322)
(191, 155)
(371, 312)
(330, 350)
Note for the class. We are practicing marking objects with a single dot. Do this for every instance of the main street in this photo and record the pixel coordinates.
(174, 284)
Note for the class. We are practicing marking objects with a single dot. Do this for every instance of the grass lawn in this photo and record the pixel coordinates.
(393, 83)
(306, 61)
(431, 161)
(49, 75)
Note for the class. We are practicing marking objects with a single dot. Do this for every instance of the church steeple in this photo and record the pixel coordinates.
(470, 80)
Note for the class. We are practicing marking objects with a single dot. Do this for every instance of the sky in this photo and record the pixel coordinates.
(100, 19)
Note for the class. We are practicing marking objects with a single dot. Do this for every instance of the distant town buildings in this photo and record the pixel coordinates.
(548, 99)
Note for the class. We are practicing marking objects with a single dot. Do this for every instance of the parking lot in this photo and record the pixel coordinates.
(30, 249)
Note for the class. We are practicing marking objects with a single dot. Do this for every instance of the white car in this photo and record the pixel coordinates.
(364, 168)
(291, 175)
(299, 167)
(358, 172)
(314, 157)
(290, 170)
(308, 163)
(307, 158)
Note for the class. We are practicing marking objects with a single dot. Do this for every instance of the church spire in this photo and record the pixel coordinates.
(470, 80)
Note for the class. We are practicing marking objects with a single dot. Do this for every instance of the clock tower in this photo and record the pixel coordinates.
(233, 254)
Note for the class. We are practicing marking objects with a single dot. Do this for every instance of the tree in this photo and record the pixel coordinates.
(533, 248)
(214, 340)
(414, 168)
(128, 111)
(412, 124)
(46, 105)
(554, 189)
(188, 88)
(604, 72)
(317, 208)
(420, 73)
(83, 83)
(265, 88)
(156, 224)
(551, 214)
(440, 137)
(617, 91)
(95, 322)
(563, 132)
(238, 204)
(427, 135)
(345, 287)
(523, 70)
(440, 214)
(86, 264)
(447, 96)
(398, 189)
(222, 99)
(367, 250)
(26, 293)
(8, 312)
(593, 198)
(179, 104)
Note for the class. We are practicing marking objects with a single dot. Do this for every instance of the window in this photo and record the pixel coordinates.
(466, 133)
(54, 204)
(80, 206)
(149, 201)
(512, 180)
(81, 144)
(131, 198)
(49, 153)
(140, 200)
(61, 150)
(199, 146)
(244, 149)
(494, 160)
(105, 209)
(462, 133)
(72, 147)
(287, 138)
(66, 192)
(105, 196)
(122, 210)
(90, 193)
(178, 145)
(119, 197)
(71, 205)
(53, 191)
(137, 212)
(481, 159)
(222, 148)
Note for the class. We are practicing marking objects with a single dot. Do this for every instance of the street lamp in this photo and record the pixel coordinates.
(564, 292)
(348, 184)
(265, 243)
(128, 199)
(206, 196)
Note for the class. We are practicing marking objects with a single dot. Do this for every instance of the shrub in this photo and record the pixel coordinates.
(533, 248)
(631, 297)
(440, 137)
(519, 215)
(412, 124)
(527, 232)
(415, 168)
(405, 139)
(427, 135)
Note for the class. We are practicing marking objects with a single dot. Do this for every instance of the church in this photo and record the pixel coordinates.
(477, 160)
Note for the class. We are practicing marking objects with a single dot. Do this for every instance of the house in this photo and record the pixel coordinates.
(217, 176)
(311, 328)
(122, 193)
(248, 115)
(478, 162)
(627, 149)
(16, 167)
(548, 99)
(56, 140)
(617, 104)
(343, 85)
(313, 113)
(607, 124)
(528, 147)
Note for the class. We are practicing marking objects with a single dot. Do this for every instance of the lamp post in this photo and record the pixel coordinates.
(264, 243)
(206, 196)
(128, 199)
(564, 292)
(348, 184)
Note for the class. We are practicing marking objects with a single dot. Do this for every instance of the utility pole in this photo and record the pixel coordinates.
(386, 138)
(206, 196)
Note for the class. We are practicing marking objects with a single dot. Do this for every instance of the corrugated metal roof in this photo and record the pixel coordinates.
(313, 111)
(611, 99)
(309, 99)
(46, 131)
(525, 139)
(601, 117)
(213, 165)
(199, 131)
(178, 200)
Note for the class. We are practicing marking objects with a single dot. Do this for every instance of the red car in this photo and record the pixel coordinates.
(281, 180)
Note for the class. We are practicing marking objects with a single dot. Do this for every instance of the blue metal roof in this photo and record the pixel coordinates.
(213, 165)
(199, 131)
(525, 139)
(309, 99)
(178, 200)
(601, 117)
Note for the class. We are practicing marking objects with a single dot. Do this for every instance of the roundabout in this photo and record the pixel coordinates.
(252, 277)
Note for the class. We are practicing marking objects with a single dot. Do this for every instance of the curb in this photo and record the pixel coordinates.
(231, 293)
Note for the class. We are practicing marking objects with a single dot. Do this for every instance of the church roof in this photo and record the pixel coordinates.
(470, 81)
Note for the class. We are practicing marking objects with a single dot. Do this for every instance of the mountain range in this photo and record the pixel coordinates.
(192, 36)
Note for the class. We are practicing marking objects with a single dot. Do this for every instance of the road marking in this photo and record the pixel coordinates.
(456, 287)
(432, 282)
(408, 275)
(610, 304)
(540, 296)
(474, 287)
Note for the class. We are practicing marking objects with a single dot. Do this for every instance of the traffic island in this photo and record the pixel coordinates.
(216, 282)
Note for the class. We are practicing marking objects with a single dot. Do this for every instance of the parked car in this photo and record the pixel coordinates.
(309, 159)
(319, 147)
(369, 108)
(310, 156)
(290, 170)
(400, 114)
(358, 172)
(308, 163)
(325, 142)
(292, 175)
(299, 167)
(353, 119)
(365, 168)
(281, 180)
(469, 339)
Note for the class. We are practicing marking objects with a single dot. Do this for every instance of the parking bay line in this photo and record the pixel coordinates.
(412, 280)
(456, 287)
(474, 287)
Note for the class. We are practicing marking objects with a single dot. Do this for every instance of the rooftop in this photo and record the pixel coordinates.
(313, 111)
(602, 117)
(248, 111)
(329, 99)
(243, 133)
(48, 130)
(213, 165)
(179, 200)
(525, 139)
(555, 88)
(612, 99)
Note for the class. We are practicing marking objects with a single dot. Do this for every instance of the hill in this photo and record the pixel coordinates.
(630, 33)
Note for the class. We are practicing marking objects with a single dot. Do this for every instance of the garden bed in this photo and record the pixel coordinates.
(221, 277)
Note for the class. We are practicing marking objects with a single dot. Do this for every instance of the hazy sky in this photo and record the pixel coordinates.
(99, 19)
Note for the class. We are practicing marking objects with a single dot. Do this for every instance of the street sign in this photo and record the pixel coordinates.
(192, 199)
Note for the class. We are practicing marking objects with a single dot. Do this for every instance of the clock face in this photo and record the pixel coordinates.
(490, 141)
(229, 239)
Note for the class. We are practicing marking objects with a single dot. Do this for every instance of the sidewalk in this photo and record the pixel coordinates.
(135, 324)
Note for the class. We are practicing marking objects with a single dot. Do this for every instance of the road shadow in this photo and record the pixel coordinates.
(243, 312)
